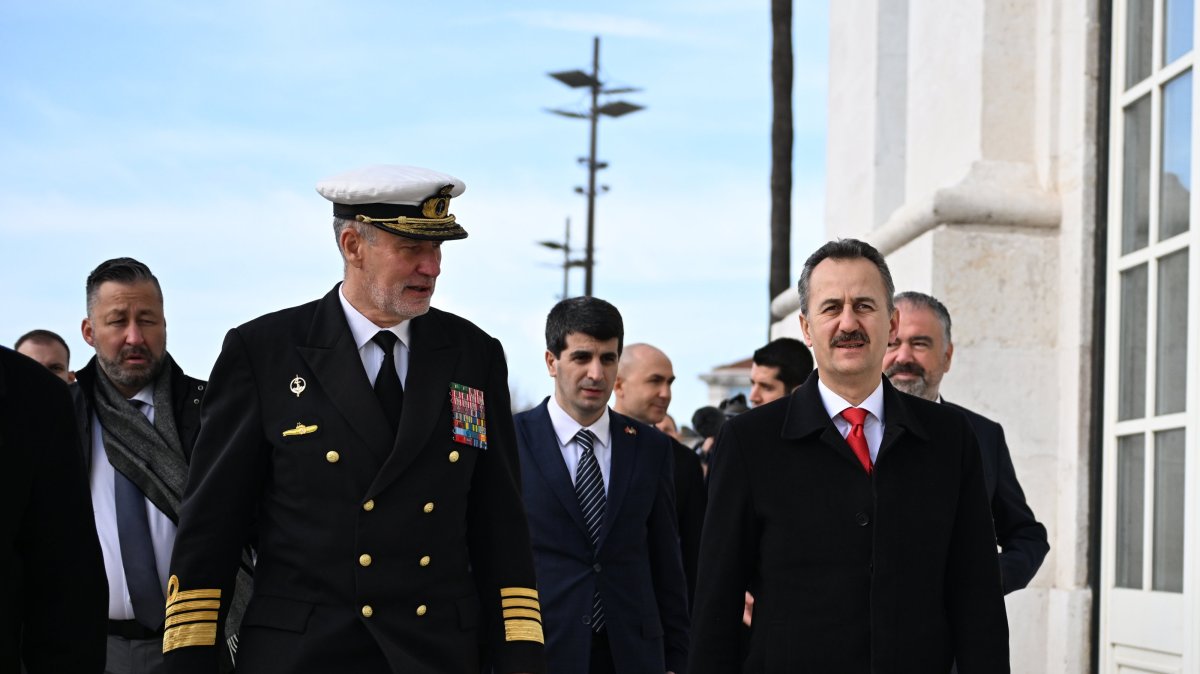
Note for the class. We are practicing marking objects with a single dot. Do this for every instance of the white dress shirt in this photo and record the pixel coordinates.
(565, 429)
(872, 425)
(371, 354)
(104, 506)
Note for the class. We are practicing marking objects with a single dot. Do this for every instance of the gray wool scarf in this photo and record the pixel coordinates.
(150, 455)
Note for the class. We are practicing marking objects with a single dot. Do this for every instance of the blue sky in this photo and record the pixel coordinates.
(190, 136)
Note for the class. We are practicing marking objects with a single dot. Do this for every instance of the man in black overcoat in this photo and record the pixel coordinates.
(856, 515)
(55, 598)
(915, 363)
(365, 442)
(643, 392)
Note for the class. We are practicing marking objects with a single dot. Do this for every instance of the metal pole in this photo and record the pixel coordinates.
(594, 116)
(566, 257)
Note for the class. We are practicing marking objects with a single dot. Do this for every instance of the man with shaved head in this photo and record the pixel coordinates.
(643, 391)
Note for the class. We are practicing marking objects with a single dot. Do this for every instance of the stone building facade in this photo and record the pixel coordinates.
(1029, 163)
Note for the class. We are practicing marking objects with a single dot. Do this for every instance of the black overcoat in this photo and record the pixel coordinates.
(53, 592)
(892, 572)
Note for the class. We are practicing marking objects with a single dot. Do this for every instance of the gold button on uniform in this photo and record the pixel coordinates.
(332, 457)
(364, 560)
(425, 560)
(367, 611)
(369, 505)
(454, 456)
(421, 609)
(428, 507)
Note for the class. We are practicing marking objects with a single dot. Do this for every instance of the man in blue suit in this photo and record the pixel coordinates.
(599, 494)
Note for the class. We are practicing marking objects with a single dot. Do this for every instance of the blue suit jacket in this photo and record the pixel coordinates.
(637, 566)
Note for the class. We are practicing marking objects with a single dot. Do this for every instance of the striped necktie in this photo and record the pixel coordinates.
(589, 487)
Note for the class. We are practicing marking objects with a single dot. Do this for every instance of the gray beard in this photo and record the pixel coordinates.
(130, 379)
(916, 387)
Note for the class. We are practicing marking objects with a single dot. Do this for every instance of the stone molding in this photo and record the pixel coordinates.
(999, 193)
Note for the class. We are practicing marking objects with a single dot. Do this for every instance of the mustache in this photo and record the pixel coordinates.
(128, 351)
(906, 368)
(855, 336)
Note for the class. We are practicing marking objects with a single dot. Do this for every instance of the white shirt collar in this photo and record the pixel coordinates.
(145, 396)
(565, 427)
(361, 327)
(834, 403)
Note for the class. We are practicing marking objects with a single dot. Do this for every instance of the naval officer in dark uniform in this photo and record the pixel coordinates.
(364, 443)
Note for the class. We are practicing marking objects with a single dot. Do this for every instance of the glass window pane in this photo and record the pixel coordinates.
(1131, 370)
(1168, 510)
(1175, 190)
(1139, 24)
(1131, 486)
(1135, 185)
(1177, 36)
(1170, 385)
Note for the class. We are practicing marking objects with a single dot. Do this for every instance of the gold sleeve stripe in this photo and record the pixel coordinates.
(194, 605)
(191, 634)
(518, 592)
(192, 617)
(515, 602)
(523, 630)
(187, 595)
(522, 613)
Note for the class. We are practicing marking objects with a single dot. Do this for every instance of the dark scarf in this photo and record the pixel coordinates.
(151, 456)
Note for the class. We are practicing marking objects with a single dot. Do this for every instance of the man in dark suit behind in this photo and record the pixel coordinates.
(55, 598)
(365, 441)
(599, 494)
(643, 392)
(915, 363)
(856, 515)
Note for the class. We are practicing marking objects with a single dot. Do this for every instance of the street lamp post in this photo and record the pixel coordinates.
(567, 262)
(577, 79)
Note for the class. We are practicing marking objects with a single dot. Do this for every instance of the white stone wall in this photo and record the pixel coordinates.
(989, 206)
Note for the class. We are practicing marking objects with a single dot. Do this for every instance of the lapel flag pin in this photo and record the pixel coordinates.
(298, 385)
(631, 430)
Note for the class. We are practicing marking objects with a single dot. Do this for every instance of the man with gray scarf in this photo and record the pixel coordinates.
(138, 417)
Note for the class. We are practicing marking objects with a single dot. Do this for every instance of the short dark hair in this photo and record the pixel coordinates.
(931, 303)
(707, 421)
(42, 337)
(845, 249)
(125, 270)
(590, 316)
(793, 359)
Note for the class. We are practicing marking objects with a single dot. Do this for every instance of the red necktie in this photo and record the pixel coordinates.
(856, 438)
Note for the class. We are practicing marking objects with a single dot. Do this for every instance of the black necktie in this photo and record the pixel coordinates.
(387, 383)
(589, 488)
(137, 549)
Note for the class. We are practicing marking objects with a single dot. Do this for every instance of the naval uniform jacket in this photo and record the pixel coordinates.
(853, 573)
(377, 552)
(636, 566)
(1022, 539)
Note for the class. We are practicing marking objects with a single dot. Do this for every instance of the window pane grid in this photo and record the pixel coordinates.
(1147, 444)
